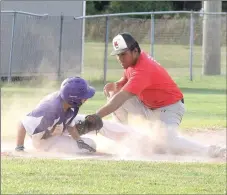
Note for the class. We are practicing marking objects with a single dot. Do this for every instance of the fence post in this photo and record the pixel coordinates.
(106, 49)
(83, 38)
(11, 47)
(152, 35)
(60, 47)
(191, 44)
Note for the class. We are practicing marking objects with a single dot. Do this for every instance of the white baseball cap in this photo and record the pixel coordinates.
(121, 43)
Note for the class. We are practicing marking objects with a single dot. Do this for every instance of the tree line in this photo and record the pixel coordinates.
(102, 7)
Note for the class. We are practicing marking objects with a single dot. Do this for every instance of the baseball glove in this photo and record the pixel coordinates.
(91, 123)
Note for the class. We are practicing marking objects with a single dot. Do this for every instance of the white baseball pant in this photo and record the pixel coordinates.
(59, 142)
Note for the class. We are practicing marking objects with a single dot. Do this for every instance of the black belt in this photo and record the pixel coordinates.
(182, 100)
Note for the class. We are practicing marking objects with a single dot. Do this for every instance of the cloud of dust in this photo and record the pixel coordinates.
(141, 142)
(16, 102)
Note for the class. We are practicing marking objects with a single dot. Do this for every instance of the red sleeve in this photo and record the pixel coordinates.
(138, 81)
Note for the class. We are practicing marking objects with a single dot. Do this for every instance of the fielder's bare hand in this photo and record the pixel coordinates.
(111, 88)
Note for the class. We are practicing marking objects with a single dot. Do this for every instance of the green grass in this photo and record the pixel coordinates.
(205, 101)
(29, 176)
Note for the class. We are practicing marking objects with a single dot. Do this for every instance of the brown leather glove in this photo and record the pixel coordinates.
(91, 123)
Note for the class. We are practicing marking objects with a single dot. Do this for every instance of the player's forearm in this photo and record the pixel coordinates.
(21, 133)
(114, 103)
(74, 133)
(107, 109)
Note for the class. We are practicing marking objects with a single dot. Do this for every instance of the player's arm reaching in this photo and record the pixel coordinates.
(114, 103)
(76, 130)
(81, 127)
(81, 144)
(94, 121)
(74, 133)
(129, 90)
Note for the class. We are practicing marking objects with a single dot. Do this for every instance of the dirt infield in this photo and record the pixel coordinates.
(106, 148)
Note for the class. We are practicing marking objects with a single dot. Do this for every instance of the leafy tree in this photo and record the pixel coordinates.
(139, 6)
(90, 8)
(99, 7)
(96, 7)
(224, 6)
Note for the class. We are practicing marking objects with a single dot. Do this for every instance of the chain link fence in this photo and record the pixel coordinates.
(39, 45)
(54, 45)
(173, 39)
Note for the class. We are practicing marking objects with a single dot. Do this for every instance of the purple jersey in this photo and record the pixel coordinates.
(48, 114)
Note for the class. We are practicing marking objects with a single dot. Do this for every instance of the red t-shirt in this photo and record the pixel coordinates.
(151, 83)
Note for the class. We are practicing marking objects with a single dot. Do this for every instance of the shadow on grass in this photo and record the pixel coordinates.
(203, 91)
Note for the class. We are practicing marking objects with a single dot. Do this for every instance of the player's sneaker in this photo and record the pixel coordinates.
(217, 152)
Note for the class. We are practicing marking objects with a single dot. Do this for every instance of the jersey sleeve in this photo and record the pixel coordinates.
(138, 81)
(46, 124)
(37, 124)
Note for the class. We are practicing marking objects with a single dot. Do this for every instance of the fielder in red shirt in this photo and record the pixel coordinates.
(147, 90)
(145, 86)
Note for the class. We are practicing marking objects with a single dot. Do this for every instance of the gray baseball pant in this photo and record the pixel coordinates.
(170, 116)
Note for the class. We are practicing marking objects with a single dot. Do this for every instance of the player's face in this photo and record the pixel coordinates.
(127, 59)
(79, 104)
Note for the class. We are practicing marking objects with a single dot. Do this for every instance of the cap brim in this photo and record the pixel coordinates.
(116, 52)
(90, 93)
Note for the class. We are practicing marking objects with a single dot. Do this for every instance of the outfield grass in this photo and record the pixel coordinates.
(30, 176)
(205, 101)
(175, 58)
(170, 56)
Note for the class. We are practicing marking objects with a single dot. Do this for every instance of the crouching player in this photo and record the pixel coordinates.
(51, 124)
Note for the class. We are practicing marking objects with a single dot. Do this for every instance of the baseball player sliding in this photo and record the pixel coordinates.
(55, 125)
(53, 120)
(147, 90)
